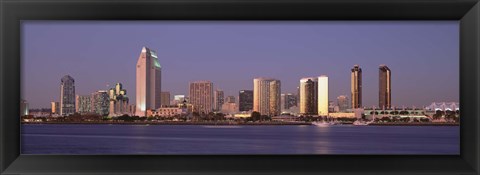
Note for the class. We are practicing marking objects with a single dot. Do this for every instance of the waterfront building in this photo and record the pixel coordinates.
(83, 104)
(167, 111)
(323, 95)
(218, 100)
(201, 96)
(148, 82)
(343, 103)
(55, 107)
(118, 101)
(385, 87)
(165, 97)
(443, 106)
(266, 96)
(67, 95)
(245, 100)
(308, 96)
(356, 86)
(23, 107)
(100, 102)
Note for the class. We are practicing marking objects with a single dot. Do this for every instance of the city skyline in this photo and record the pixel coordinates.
(338, 78)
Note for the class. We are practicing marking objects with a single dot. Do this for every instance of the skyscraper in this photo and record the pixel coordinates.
(266, 96)
(148, 82)
(118, 101)
(245, 100)
(342, 103)
(83, 104)
(385, 87)
(201, 96)
(356, 88)
(165, 99)
(100, 102)
(308, 96)
(323, 95)
(67, 95)
(218, 100)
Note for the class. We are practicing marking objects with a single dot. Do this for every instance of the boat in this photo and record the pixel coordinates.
(361, 122)
(323, 123)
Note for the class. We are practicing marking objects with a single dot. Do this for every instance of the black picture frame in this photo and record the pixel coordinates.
(14, 11)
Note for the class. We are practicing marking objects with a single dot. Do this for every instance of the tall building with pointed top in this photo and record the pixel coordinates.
(67, 95)
(148, 82)
(266, 96)
(356, 86)
(384, 87)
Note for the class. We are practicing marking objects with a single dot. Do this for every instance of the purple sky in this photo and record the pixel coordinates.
(423, 56)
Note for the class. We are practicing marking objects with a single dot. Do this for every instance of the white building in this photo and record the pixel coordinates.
(266, 96)
(323, 96)
(148, 82)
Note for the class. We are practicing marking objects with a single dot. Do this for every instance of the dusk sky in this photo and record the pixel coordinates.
(422, 55)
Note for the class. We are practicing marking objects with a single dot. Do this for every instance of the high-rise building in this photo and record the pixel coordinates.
(55, 107)
(218, 100)
(165, 99)
(245, 100)
(230, 99)
(385, 87)
(67, 95)
(323, 96)
(118, 101)
(356, 86)
(343, 103)
(266, 96)
(83, 104)
(201, 96)
(100, 102)
(288, 100)
(308, 96)
(23, 108)
(148, 82)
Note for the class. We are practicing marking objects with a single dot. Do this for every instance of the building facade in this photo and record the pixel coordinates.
(100, 103)
(230, 99)
(384, 87)
(323, 95)
(67, 96)
(148, 82)
(165, 98)
(83, 104)
(343, 103)
(118, 101)
(308, 96)
(266, 96)
(201, 96)
(245, 100)
(288, 100)
(356, 86)
(218, 100)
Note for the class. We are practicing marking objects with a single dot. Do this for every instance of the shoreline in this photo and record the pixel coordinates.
(230, 124)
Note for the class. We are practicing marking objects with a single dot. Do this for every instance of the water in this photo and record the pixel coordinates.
(190, 139)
